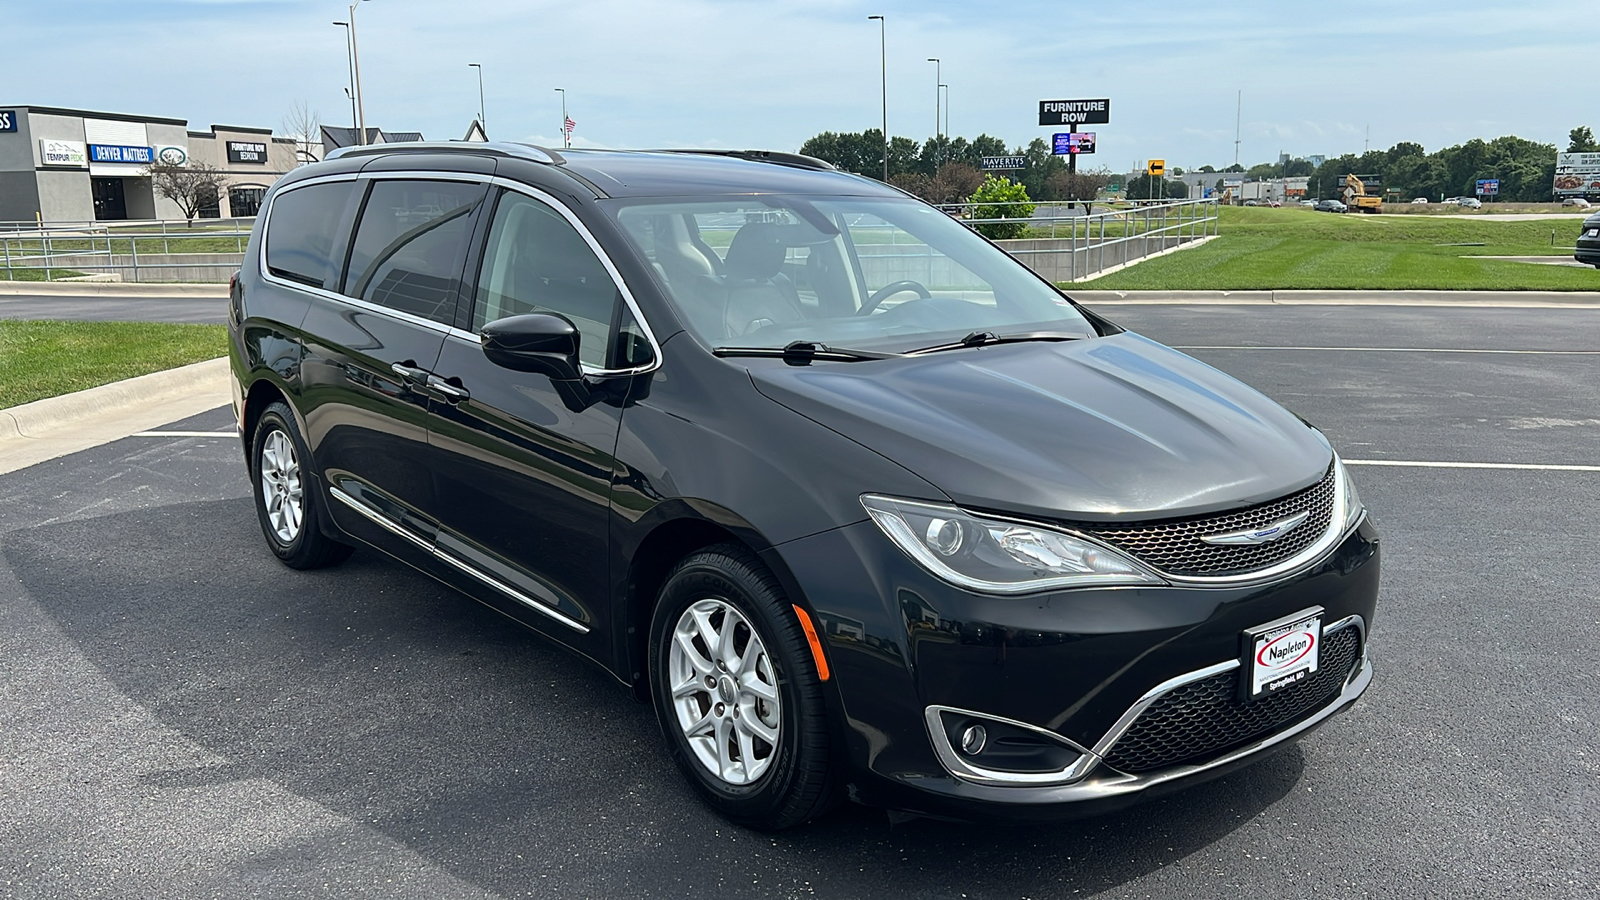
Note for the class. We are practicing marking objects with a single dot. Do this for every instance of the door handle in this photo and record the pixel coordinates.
(449, 391)
(410, 372)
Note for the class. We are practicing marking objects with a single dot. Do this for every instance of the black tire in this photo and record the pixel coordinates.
(797, 784)
(307, 546)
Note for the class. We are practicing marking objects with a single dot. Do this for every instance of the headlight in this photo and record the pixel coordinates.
(1347, 491)
(996, 556)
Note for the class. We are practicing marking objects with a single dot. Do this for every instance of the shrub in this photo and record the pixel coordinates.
(1012, 203)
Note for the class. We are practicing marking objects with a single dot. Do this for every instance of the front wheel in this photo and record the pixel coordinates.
(736, 691)
(286, 498)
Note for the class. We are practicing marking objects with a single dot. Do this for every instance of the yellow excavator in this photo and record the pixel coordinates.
(1357, 198)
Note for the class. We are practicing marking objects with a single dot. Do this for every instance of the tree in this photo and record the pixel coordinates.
(304, 125)
(1082, 186)
(1207, 169)
(192, 186)
(1581, 140)
(1010, 201)
(1147, 187)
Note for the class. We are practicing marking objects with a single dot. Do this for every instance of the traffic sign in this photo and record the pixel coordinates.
(1158, 167)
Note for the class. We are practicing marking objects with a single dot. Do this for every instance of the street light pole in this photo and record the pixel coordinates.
(355, 66)
(481, 123)
(946, 89)
(566, 136)
(937, 79)
(351, 64)
(883, 49)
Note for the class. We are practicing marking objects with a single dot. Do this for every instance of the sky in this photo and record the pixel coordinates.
(1316, 78)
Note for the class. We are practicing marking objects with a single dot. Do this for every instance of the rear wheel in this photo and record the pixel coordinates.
(736, 691)
(286, 501)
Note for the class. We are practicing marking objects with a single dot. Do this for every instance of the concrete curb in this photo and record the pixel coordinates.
(1514, 299)
(53, 427)
(109, 289)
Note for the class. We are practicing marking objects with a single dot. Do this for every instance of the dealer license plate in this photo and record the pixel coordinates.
(1281, 654)
(1593, 232)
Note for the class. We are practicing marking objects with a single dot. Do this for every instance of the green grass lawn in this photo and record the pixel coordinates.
(43, 359)
(36, 274)
(1289, 249)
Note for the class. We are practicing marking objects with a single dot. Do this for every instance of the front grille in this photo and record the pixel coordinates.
(1174, 546)
(1206, 717)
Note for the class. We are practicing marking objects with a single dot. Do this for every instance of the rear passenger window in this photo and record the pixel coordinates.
(303, 231)
(411, 245)
(536, 261)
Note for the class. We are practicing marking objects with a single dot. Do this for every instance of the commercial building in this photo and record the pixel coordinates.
(73, 165)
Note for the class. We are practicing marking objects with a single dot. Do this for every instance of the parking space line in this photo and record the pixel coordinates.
(1420, 464)
(1400, 350)
(228, 433)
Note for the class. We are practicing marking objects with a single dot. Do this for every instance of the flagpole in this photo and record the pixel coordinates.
(566, 136)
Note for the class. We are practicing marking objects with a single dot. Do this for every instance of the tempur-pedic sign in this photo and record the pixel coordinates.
(62, 153)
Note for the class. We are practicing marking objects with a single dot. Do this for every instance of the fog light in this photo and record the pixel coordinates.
(973, 739)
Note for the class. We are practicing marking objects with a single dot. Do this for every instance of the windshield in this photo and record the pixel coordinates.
(844, 271)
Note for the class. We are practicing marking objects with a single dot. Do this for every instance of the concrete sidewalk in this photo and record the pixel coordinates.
(109, 289)
(56, 426)
(1516, 299)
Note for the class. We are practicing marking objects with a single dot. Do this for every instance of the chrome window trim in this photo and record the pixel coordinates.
(1355, 684)
(387, 524)
(449, 330)
(958, 767)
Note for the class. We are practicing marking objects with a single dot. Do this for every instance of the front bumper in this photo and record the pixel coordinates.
(1588, 251)
(1079, 665)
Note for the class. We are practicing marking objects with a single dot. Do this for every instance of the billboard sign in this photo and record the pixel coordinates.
(1577, 174)
(1074, 112)
(1005, 162)
(62, 153)
(1071, 143)
(1488, 187)
(115, 153)
(247, 152)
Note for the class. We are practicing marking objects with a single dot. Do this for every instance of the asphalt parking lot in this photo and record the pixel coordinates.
(181, 716)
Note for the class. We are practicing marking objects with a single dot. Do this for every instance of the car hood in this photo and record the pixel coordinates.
(1105, 428)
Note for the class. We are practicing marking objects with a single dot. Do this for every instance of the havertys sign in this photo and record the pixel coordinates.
(1074, 112)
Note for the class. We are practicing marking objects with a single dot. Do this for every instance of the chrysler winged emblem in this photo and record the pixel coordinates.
(1259, 535)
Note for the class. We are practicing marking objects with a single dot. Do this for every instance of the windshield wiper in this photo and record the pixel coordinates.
(985, 338)
(801, 353)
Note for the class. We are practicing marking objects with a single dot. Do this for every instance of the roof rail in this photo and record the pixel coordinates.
(493, 148)
(778, 157)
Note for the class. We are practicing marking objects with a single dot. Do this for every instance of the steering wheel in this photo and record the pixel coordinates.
(889, 290)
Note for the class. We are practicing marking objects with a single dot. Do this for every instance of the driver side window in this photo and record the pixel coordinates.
(536, 261)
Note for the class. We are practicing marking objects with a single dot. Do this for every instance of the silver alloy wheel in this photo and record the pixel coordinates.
(724, 692)
(281, 491)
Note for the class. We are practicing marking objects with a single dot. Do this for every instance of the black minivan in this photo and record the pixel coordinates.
(863, 507)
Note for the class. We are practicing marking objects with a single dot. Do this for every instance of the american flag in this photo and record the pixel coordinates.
(570, 125)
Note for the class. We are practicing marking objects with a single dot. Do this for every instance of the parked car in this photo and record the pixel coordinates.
(1336, 206)
(1310, 203)
(1419, 200)
(1469, 202)
(928, 535)
(1588, 245)
(1578, 202)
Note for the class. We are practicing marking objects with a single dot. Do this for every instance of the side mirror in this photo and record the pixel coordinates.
(544, 343)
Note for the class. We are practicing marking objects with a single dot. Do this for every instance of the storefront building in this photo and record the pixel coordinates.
(69, 165)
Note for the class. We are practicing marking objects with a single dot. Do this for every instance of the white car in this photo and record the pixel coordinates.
(1420, 200)
(1578, 202)
(1470, 202)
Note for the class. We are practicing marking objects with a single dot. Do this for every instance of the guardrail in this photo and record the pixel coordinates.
(149, 252)
(1082, 246)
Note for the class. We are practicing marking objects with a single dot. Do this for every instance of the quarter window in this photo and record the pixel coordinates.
(411, 246)
(535, 261)
(303, 233)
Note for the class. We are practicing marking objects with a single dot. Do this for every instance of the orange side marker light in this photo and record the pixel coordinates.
(816, 643)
